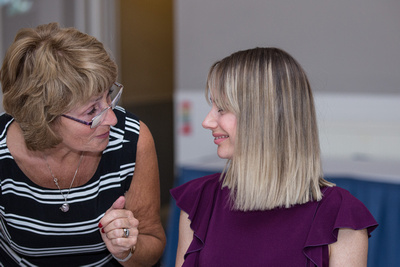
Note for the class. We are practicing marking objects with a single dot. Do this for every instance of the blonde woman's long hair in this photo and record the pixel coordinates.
(276, 162)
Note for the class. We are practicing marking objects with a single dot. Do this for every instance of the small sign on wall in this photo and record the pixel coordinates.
(185, 118)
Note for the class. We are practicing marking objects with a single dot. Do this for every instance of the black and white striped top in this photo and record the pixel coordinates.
(35, 232)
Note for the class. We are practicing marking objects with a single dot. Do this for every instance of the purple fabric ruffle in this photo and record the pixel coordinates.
(345, 212)
(338, 209)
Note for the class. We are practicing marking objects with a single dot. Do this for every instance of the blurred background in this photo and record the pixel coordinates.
(350, 50)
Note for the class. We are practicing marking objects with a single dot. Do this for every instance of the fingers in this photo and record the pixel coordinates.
(118, 219)
(114, 212)
(119, 233)
(112, 226)
(115, 240)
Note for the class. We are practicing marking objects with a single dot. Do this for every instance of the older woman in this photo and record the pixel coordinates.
(271, 207)
(79, 174)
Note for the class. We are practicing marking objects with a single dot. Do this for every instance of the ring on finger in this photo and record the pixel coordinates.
(126, 233)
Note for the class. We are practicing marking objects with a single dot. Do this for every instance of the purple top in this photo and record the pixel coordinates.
(296, 236)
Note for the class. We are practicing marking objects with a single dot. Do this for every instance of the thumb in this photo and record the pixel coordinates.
(119, 203)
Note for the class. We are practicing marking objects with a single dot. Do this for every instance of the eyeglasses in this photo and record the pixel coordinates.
(116, 92)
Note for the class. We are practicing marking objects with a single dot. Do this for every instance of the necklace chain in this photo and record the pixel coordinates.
(65, 206)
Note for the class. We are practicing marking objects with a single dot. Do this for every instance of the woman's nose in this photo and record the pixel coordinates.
(110, 118)
(209, 121)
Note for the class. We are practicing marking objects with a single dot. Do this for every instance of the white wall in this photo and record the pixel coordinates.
(352, 127)
(359, 135)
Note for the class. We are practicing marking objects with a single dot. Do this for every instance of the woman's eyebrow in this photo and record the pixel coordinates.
(91, 102)
(97, 98)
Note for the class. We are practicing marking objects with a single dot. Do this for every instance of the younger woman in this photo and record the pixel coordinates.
(271, 205)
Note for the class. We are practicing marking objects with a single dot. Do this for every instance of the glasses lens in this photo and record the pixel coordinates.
(99, 118)
(115, 95)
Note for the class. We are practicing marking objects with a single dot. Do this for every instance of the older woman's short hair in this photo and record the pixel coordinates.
(276, 162)
(46, 72)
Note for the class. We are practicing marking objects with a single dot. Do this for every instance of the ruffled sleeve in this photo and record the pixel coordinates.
(337, 209)
(196, 198)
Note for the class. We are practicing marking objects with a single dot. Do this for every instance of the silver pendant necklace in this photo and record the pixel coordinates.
(65, 206)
